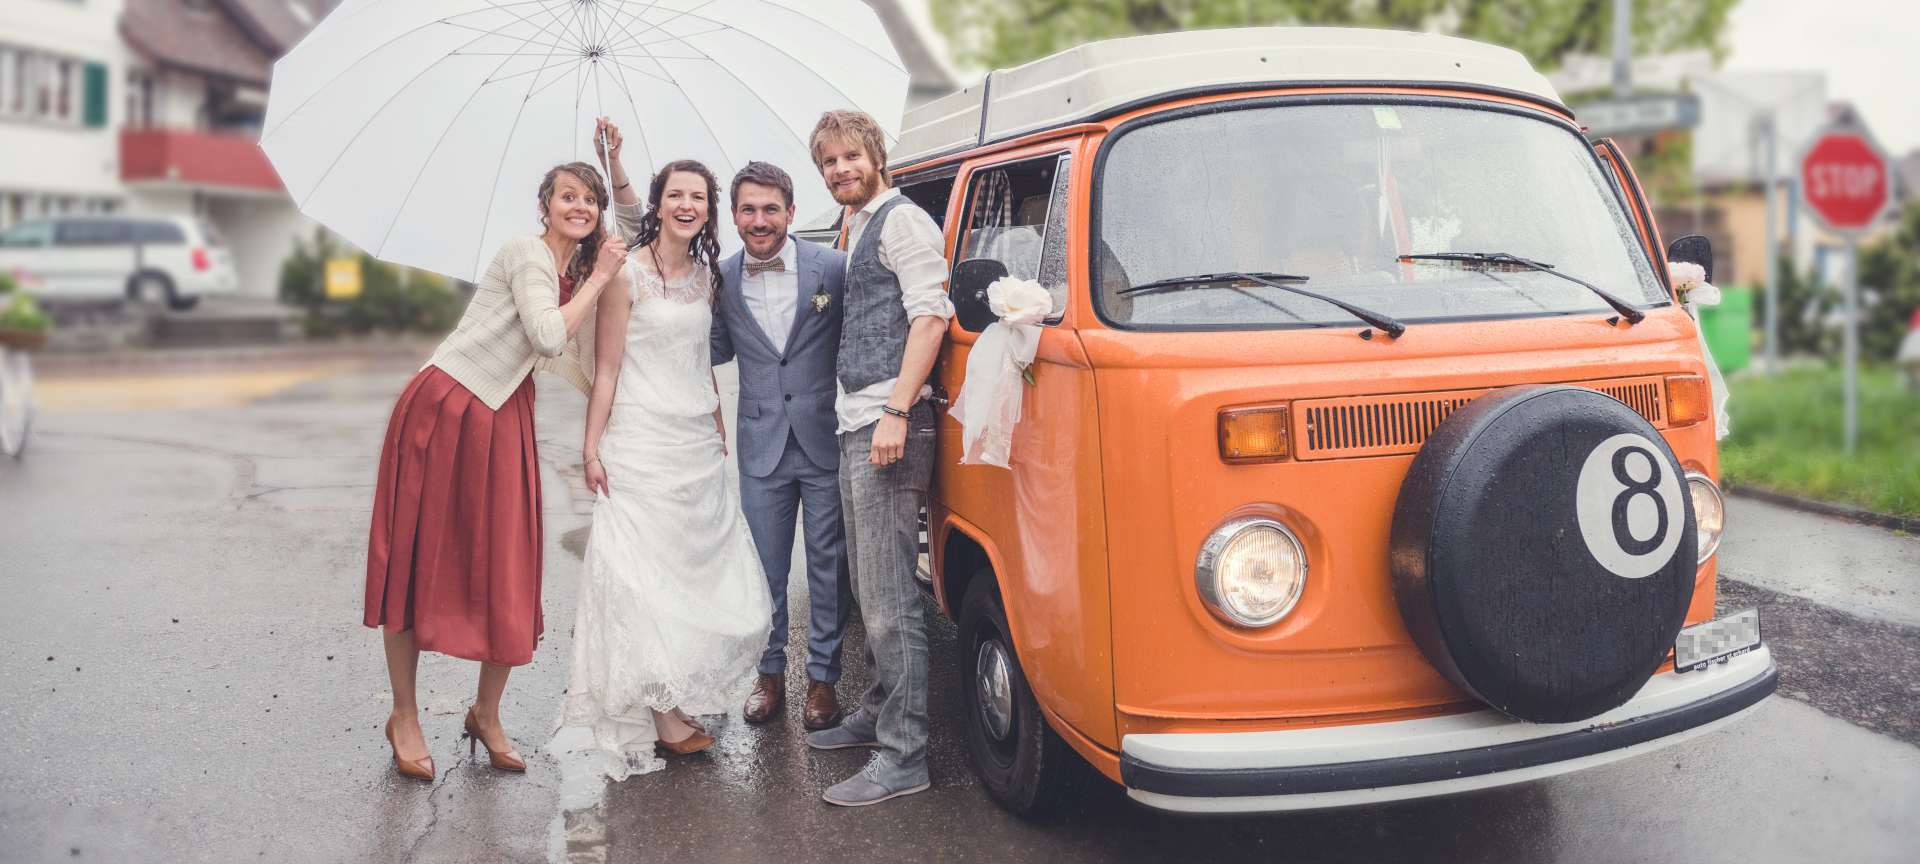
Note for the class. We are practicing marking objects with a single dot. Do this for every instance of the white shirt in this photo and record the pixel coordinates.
(772, 296)
(912, 246)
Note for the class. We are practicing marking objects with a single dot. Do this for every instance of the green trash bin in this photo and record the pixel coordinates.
(1729, 328)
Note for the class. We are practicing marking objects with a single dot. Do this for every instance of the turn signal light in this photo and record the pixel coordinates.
(1688, 400)
(1254, 434)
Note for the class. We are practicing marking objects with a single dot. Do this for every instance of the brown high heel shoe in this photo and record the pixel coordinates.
(418, 769)
(696, 741)
(506, 760)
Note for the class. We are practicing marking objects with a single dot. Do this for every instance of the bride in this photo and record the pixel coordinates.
(673, 609)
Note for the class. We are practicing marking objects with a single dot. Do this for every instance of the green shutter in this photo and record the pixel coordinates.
(95, 111)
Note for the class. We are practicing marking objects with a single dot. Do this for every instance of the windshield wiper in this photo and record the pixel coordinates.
(1625, 309)
(1272, 280)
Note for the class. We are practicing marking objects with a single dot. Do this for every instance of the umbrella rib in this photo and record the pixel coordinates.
(664, 21)
(544, 7)
(408, 198)
(493, 190)
(690, 13)
(528, 72)
(321, 181)
(639, 127)
(756, 95)
(817, 76)
(344, 69)
(711, 134)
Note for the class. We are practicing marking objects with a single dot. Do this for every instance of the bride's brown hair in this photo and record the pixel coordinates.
(705, 246)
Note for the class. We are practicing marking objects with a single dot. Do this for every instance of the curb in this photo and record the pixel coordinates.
(1909, 524)
(55, 365)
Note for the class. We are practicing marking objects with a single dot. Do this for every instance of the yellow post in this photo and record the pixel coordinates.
(343, 278)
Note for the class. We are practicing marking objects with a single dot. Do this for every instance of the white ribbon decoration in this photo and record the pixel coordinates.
(1690, 280)
(988, 405)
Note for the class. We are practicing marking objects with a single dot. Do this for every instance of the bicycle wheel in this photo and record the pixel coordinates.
(16, 402)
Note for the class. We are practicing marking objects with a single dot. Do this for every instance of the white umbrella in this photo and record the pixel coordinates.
(419, 129)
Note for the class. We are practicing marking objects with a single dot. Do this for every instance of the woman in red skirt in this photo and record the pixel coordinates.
(453, 558)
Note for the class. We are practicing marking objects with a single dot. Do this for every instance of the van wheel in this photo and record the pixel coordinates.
(150, 289)
(180, 304)
(1025, 766)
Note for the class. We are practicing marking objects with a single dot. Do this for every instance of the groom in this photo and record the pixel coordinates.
(895, 316)
(779, 314)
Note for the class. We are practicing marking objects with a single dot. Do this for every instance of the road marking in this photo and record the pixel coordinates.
(160, 392)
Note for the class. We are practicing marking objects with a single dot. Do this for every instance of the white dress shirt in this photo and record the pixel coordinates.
(771, 296)
(912, 246)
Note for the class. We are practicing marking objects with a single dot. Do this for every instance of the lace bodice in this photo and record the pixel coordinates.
(666, 367)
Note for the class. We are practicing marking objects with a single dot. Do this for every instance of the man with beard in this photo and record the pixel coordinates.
(778, 313)
(894, 317)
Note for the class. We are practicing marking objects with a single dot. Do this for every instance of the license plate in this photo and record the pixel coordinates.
(1702, 645)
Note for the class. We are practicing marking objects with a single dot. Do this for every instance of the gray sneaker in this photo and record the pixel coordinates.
(869, 787)
(855, 731)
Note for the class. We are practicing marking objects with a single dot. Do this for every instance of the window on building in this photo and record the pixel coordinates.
(49, 88)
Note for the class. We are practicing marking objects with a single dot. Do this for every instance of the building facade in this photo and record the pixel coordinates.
(154, 107)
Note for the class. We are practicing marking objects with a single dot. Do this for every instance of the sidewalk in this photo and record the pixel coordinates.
(1859, 569)
(149, 361)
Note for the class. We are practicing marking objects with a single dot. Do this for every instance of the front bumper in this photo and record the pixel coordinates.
(1306, 769)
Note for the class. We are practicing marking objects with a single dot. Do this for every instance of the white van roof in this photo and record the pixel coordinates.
(1103, 78)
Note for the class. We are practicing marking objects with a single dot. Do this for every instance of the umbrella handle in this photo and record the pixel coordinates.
(607, 219)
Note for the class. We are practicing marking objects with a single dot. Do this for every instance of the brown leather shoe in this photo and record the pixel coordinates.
(823, 707)
(768, 697)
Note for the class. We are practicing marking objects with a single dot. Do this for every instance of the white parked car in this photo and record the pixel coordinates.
(175, 259)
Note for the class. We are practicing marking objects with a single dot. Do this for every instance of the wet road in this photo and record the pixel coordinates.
(187, 679)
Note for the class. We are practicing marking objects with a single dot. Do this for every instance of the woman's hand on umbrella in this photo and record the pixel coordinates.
(608, 148)
(613, 252)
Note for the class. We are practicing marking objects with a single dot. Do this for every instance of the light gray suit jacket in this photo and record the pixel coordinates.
(790, 390)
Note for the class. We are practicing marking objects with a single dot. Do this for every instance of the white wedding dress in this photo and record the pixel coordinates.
(673, 610)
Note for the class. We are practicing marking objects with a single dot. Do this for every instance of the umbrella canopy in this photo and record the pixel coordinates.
(419, 129)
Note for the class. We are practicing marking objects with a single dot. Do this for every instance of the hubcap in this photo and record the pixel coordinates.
(993, 684)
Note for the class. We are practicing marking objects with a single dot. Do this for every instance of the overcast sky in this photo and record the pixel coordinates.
(1869, 50)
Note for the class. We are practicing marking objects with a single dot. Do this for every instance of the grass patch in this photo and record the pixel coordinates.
(1788, 431)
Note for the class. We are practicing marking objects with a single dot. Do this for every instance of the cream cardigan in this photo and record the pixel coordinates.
(512, 326)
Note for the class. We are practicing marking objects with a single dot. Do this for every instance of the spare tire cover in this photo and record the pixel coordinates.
(1543, 551)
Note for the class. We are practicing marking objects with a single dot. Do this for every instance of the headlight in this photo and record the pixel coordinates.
(1709, 513)
(1251, 572)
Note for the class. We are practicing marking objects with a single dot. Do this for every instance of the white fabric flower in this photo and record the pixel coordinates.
(1690, 280)
(1019, 301)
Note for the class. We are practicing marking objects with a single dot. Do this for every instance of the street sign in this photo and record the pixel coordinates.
(1843, 183)
(1639, 114)
(1843, 179)
(343, 278)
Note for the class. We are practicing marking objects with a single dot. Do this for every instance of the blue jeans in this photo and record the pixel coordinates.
(881, 507)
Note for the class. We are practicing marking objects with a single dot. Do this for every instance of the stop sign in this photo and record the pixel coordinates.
(1843, 178)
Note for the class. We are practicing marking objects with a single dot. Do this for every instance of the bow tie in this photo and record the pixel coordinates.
(776, 265)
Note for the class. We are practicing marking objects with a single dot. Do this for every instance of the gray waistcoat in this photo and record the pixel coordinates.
(873, 332)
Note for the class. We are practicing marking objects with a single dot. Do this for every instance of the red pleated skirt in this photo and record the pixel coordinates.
(454, 552)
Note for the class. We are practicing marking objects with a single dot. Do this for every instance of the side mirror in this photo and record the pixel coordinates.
(1693, 249)
(969, 287)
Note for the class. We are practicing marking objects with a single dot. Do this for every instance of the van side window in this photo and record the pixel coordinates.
(29, 235)
(93, 232)
(159, 233)
(1017, 215)
(932, 194)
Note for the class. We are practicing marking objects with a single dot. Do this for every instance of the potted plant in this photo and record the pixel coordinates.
(23, 324)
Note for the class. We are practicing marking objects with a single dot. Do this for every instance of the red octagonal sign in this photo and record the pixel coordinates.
(1843, 179)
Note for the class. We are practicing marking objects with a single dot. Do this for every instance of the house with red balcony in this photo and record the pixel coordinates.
(150, 106)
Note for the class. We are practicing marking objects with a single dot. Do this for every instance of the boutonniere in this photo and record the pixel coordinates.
(821, 300)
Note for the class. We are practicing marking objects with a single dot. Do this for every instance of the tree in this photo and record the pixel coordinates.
(1002, 33)
(1890, 285)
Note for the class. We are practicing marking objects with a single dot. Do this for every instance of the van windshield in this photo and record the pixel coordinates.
(1336, 193)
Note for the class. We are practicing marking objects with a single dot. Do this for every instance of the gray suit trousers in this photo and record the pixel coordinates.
(770, 504)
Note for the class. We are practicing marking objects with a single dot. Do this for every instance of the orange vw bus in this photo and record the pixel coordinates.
(1367, 455)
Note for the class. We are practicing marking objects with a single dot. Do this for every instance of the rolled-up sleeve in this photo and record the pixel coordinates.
(627, 216)
(912, 247)
(536, 297)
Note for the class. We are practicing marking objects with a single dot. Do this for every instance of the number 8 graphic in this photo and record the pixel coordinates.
(1622, 531)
